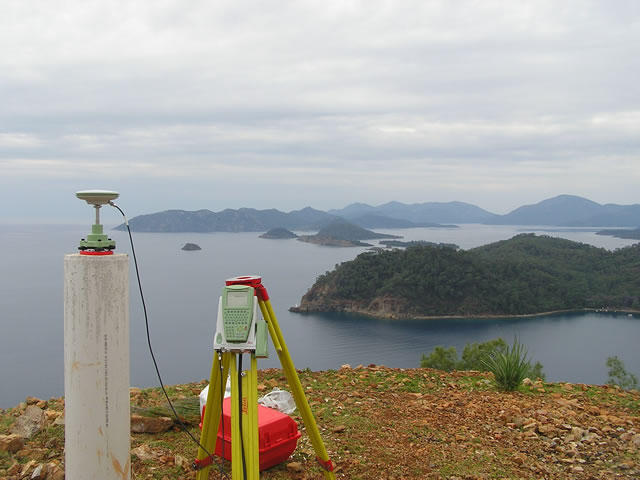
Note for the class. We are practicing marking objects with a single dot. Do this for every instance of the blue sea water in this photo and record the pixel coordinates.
(181, 290)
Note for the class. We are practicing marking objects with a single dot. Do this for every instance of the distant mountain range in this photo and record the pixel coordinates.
(419, 213)
(241, 220)
(563, 210)
(572, 211)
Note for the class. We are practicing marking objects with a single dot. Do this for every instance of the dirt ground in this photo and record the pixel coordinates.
(382, 423)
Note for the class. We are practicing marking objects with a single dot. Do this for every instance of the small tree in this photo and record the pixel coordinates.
(475, 354)
(618, 375)
(536, 372)
(441, 359)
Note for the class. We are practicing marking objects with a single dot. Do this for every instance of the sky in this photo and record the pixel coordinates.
(188, 104)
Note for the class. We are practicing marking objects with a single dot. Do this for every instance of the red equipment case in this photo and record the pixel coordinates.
(277, 435)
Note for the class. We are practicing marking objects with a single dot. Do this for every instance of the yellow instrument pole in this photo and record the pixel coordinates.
(236, 445)
(211, 420)
(296, 387)
(250, 419)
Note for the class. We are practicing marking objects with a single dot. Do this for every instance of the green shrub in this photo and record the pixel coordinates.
(618, 375)
(509, 367)
(441, 359)
(536, 372)
(474, 357)
(475, 354)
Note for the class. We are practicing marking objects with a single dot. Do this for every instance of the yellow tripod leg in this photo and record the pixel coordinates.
(236, 444)
(250, 420)
(211, 420)
(296, 387)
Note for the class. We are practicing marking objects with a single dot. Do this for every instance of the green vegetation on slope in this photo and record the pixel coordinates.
(348, 231)
(618, 374)
(476, 356)
(524, 275)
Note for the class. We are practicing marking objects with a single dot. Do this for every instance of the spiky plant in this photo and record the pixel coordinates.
(509, 367)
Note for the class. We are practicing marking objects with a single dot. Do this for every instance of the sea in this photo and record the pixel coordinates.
(181, 289)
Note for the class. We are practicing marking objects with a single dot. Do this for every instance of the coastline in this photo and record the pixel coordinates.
(469, 317)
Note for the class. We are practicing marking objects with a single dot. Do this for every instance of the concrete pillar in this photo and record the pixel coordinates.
(96, 367)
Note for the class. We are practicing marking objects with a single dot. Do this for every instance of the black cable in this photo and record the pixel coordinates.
(146, 323)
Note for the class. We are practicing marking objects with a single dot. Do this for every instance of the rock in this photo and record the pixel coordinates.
(295, 467)
(150, 424)
(134, 393)
(51, 415)
(190, 247)
(636, 440)
(182, 462)
(13, 469)
(39, 473)
(32, 400)
(32, 453)
(527, 382)
(574, 436)
(56, 472)
(626, 437)
(11, 443)
(339, 429)
(26, 468)
(59, 420)
(546, 430)
(144, 452)
(30, 423)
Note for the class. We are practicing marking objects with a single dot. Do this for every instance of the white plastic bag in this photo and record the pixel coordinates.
(280, 400)
(205, 392)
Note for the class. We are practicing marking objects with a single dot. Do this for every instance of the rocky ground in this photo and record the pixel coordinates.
(381, 423)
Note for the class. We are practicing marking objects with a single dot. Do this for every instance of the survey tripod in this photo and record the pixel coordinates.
(240, 331)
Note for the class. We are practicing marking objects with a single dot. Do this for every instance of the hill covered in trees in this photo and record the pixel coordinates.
(343, 234)
(527, 274)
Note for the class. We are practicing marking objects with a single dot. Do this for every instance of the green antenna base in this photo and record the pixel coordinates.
(97, 241)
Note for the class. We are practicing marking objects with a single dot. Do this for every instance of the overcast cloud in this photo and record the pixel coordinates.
(276, 104)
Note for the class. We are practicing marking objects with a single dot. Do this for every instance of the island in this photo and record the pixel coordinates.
(190, 247)
(622, 233)
(525, 275)
(279, 233)
(343, 234)
(413, 243)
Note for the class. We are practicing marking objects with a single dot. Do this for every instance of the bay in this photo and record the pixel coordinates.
(181, 290)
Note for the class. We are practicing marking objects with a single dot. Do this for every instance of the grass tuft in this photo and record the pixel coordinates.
(509, 367)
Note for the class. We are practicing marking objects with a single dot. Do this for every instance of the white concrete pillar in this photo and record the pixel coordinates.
(96, 367)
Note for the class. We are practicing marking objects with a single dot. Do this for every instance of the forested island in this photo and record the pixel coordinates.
(527, 274)
(413, 243)
(343, 234)
(619, 233)
(278, 233)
